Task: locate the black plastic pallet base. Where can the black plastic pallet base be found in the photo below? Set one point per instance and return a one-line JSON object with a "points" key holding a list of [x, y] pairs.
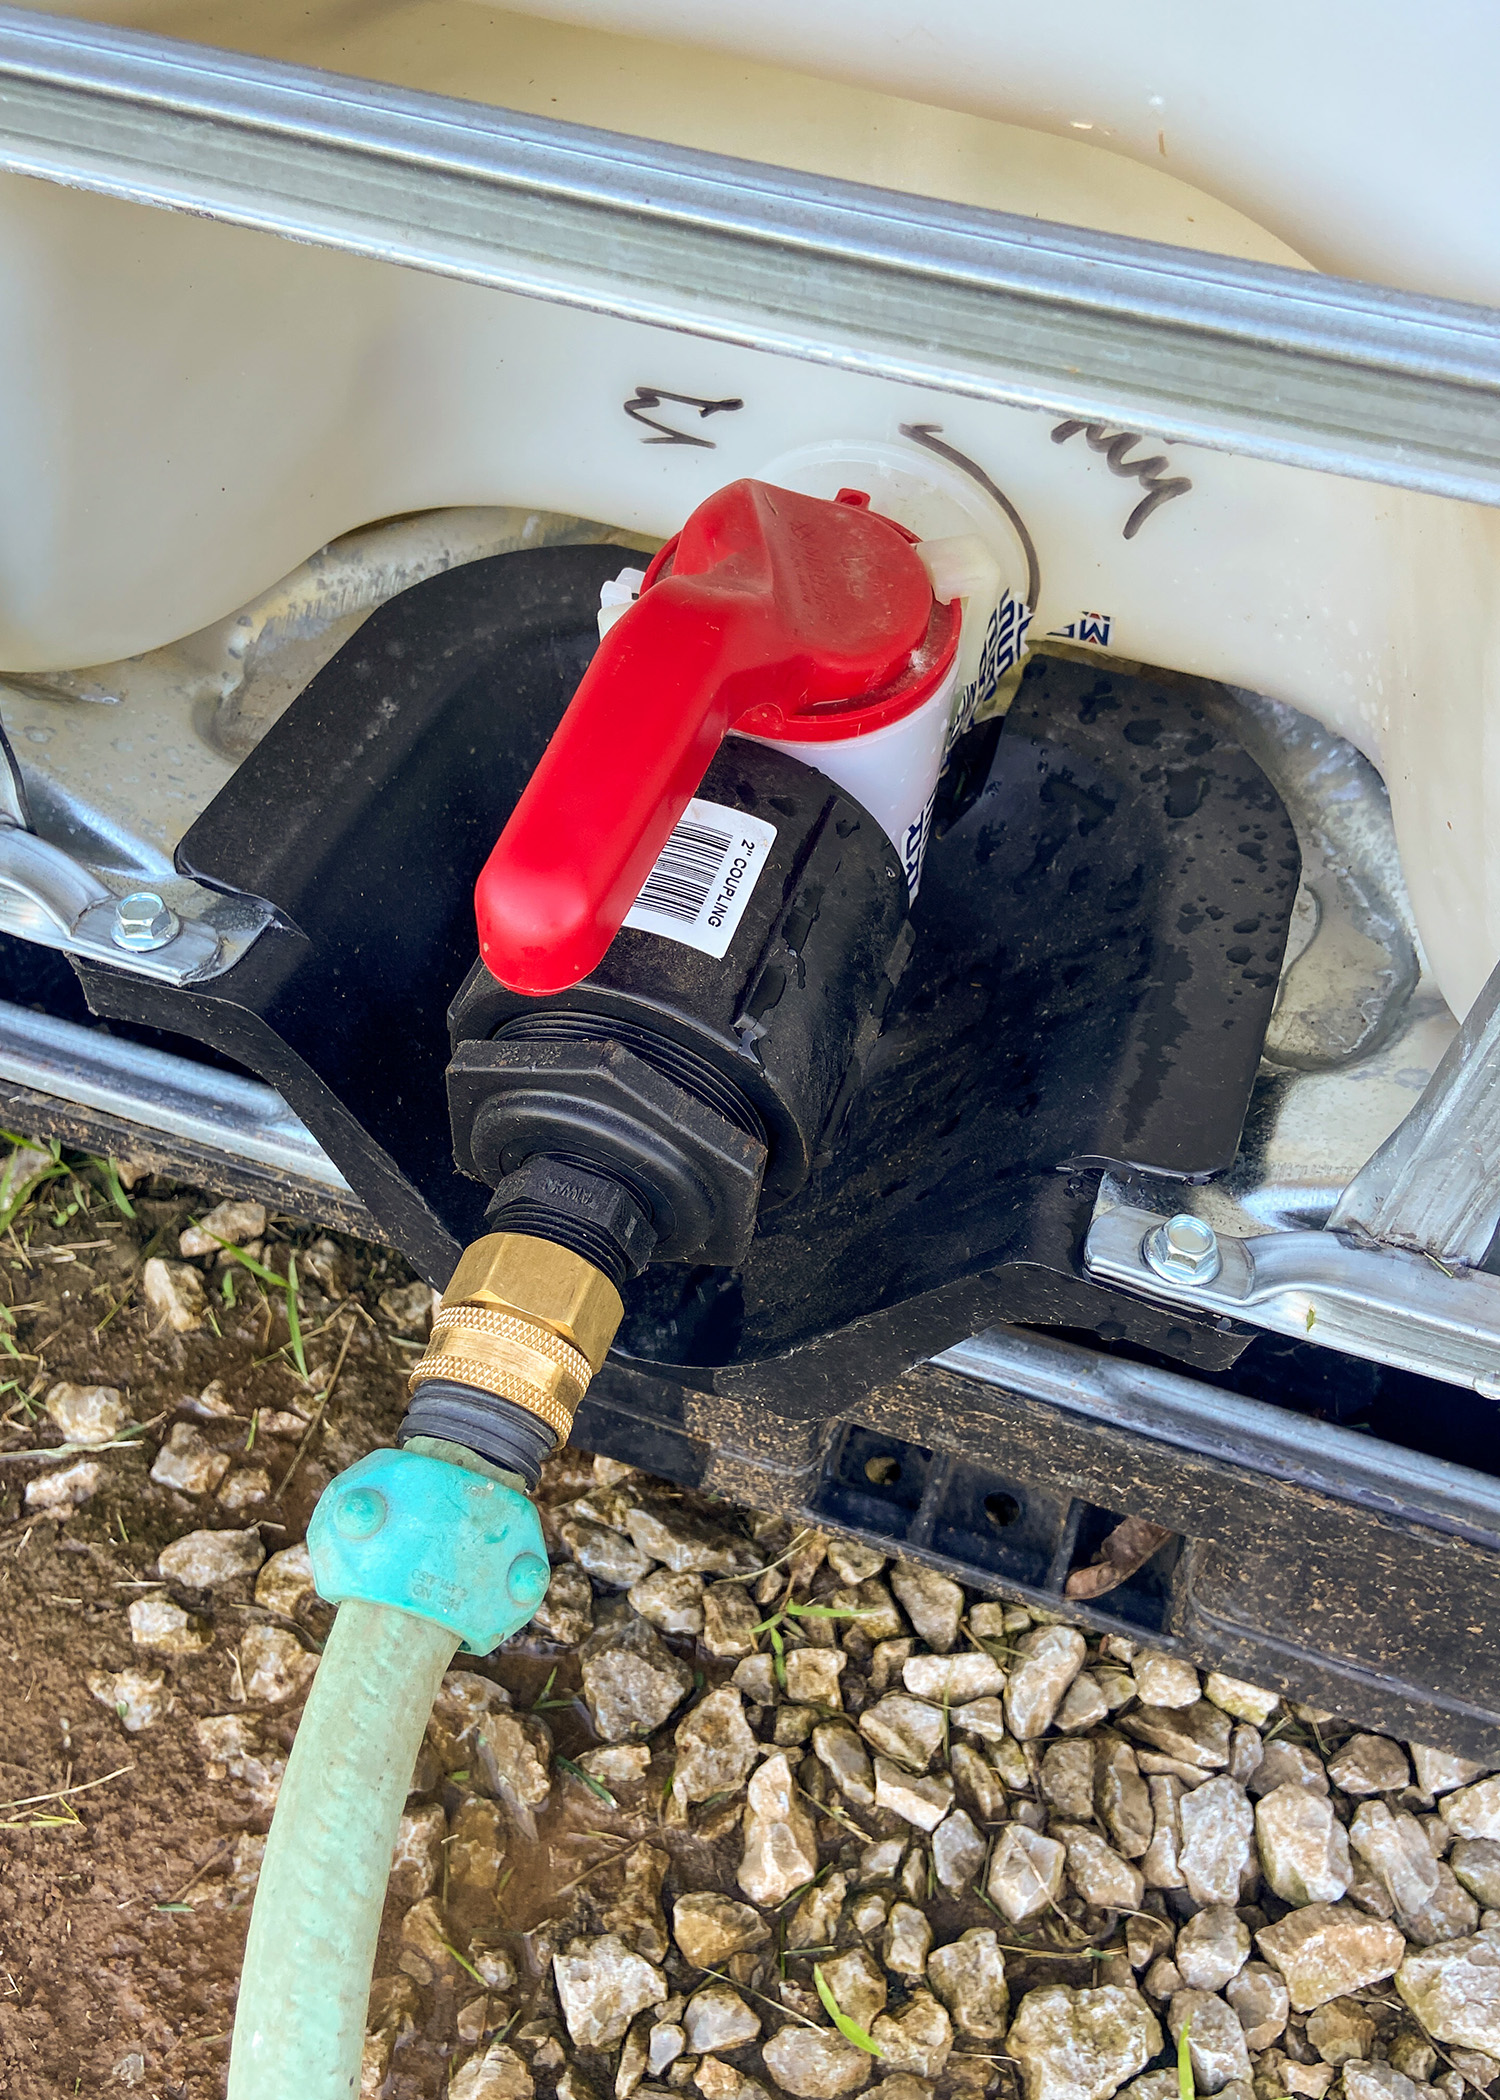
{"points": [[1100, 932], [1099, 935], [1344, 1572]]}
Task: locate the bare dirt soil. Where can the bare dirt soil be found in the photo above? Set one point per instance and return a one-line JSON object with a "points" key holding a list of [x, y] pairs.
{"points": [[99, 1961], [168, 1419]]}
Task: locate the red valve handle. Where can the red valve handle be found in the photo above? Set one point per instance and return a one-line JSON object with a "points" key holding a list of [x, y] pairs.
{"points": [[776, 602]]}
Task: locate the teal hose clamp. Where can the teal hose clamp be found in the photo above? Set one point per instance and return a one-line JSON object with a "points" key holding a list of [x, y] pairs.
{"points": [[434, 1540]]}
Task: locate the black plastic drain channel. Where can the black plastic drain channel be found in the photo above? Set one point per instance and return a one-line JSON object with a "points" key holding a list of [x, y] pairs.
{"points": [[1323, 1562], [936, 1502]]}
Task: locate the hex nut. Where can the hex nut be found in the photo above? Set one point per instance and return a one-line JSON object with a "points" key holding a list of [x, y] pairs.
{"points": [[143, 921], [1184, 1250], [535, 1280]]}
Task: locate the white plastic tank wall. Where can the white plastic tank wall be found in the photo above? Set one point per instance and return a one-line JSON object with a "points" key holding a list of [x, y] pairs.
{"points": [[189, 410]]}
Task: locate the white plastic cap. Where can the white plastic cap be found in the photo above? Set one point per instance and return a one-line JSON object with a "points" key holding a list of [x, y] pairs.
{"points": [[617, 596], [961, 567]]}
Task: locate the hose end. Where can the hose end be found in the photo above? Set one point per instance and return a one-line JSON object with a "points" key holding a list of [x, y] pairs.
{"points": [[453, 1544]]}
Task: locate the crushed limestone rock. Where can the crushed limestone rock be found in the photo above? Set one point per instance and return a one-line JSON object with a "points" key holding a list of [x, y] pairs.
{"points": [[716, 1747], [188, 1462], [815, 2063], [710, 1928], [139, 1698], [631, 1680], [174, 1297], [1026, 1873], [88, 1414], [1304, 1851], [969, 1977], [1082, 2044], [781, 1846], [1050, 1659], [66, 1488], [1329, 1950], [933, 1603], [1454, 1990], [1217, 1853], [601, 1985]]}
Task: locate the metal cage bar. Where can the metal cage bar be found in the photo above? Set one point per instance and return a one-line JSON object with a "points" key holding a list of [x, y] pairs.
{"points": [[1279, 364]]}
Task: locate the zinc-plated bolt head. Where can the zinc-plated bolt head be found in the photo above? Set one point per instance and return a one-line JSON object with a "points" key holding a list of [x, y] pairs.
{"points": [[1184, 1250], [144, 921]]}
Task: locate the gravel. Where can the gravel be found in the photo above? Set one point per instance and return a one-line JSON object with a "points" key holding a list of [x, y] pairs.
{"points": [[88, 1414], [601, 1985], [1261, 2002], [188, 1462], [907, 1729], [140, 1698], [514, 1754], [631, 1680], [1217, 1852], [969, 1976], [164, 1628], [174, 1295], [716, 1747], [1212, 1948], [1026, 1873], [933, 1604], [1474, 1812], [1304, 1851], [274, 1665], [906, 1943], [1370, 1764], [211, 1560], [1082, 2044], [1327, 1950], [1454, 1990], [1051, 1659], [1429, 1903], [958, 1852], [815, 2063], [781, 1844], [1027, 1858], [65, 1489]]}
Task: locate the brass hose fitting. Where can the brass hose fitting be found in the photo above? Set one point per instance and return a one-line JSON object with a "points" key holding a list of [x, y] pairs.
{"points": [[525, 1320]]}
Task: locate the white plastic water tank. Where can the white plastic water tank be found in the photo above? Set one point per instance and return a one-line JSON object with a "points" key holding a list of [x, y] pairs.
{"points": [[188, 410]]}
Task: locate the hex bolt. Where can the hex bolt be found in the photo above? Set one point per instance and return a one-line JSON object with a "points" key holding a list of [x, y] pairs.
{"points": [[144, 921], [1184, 1250]]}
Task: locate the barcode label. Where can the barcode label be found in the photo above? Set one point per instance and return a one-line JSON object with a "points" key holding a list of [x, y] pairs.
{"points": [[703, 877]]}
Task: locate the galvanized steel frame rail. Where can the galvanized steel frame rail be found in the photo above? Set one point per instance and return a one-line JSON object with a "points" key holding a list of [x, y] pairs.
{"points": [[1279, 364], [1434, 1185]]}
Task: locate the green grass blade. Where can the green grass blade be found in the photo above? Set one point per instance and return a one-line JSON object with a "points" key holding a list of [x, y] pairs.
{"points": [[1185, 2086], [248, 1261], [826, 1611], [595, 1786], [115, 1189], [467, 1966], [14, 1200], [849, 2029], [294, 1316]]}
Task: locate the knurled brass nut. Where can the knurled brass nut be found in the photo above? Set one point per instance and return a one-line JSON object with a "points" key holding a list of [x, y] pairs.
{"points": [[511, 1272]]}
